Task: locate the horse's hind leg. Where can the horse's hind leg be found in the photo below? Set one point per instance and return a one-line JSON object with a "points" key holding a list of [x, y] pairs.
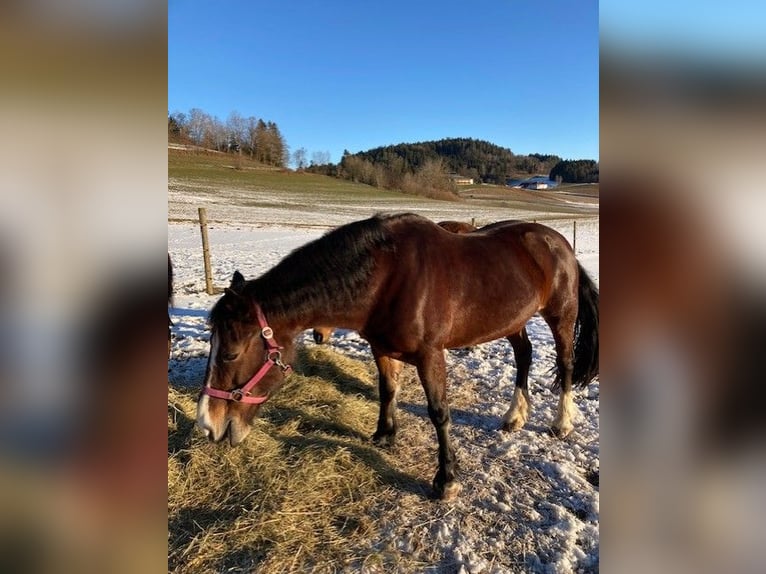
{"points": [[562, 327], [388, 387], [518, 413]]}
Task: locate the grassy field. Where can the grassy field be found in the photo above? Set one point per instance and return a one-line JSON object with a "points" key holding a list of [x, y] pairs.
{"points": [[225, 183], [222, 171]]}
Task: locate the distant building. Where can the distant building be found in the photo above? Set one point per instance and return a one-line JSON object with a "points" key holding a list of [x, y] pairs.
{"points": [[533, 185], [536, 182], [461, 180]]}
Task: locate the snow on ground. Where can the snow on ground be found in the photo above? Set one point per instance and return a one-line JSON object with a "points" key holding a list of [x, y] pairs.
{"points": [[524, 492]]}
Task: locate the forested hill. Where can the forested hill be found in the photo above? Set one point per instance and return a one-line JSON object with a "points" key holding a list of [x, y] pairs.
{"points": [[481, 160]]}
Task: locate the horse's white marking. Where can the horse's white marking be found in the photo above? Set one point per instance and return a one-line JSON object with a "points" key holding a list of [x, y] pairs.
{"points": [[518, 413], [567, 411], [203, 405]]}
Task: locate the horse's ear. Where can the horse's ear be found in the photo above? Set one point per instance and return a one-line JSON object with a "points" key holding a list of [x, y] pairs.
{"points": [[237, 281]]}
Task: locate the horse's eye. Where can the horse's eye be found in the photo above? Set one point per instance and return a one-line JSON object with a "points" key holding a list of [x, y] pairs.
{"points": [[229, 356]]}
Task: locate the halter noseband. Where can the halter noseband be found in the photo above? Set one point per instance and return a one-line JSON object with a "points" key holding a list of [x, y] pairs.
{"points": [[273, 357]]}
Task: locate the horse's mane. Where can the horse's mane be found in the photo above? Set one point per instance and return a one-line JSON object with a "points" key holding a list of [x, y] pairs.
{"points": [[327, 273]]}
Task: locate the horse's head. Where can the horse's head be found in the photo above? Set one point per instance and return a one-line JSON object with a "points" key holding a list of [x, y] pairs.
{"points": [[244, 368]]}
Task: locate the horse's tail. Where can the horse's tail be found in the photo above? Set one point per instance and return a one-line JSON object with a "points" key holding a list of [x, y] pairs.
{"points": [[586, 332]]}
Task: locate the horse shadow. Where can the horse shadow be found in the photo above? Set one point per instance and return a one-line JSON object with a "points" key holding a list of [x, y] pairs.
{"points": [[326, 434], [308, 423], [346, 382], [369, 455], [180, 438], [472, 419], [460, 417]]}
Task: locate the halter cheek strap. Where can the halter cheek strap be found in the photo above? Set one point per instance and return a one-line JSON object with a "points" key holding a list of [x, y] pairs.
{"points": [[273, 357]]}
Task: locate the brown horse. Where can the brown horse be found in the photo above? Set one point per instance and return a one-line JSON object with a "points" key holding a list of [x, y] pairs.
{"points": [[323, 333], [411, 289], [516, 416], [457, 226]]}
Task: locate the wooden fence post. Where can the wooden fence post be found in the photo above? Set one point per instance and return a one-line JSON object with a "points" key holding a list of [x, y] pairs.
{"points": [[574, 236], [205, 250]]}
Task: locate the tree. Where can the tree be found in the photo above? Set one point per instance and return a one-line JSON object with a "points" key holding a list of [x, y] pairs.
{"points": [[215, 134], [174, 129], [236, 129], [279, 155], [251, 124], [320, 158], [299, 158], [431, 179], [198, 123], [261, 138], [575, 171], [270, 146]]}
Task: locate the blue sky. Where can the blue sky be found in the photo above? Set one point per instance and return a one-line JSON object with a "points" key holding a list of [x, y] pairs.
{"points": [[355, 75]]}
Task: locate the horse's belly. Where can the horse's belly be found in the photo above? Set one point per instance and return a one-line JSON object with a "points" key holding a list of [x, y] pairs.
{"points": [[475, 328]]}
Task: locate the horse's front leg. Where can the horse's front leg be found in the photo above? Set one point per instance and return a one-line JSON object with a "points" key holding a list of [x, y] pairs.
{"points": [[433, 375], [388, 387]]}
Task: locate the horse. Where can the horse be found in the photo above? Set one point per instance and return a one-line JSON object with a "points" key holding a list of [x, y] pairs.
{"points": [[412, 290], [457, 226], [323, 333], [517, 416]]}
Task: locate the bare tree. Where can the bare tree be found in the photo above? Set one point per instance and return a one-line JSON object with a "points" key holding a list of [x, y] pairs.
{"points": [[198, 122], [236, 128], [320, 157], [299, 158], [215, 134]]}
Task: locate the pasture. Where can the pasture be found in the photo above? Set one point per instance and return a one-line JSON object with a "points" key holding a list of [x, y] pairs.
{"points": [[270, 196], [307, 491]]}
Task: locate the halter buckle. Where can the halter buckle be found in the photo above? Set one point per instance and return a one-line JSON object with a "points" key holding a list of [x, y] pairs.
{"points": [[276, 358], [267, 333], [236, 395]]}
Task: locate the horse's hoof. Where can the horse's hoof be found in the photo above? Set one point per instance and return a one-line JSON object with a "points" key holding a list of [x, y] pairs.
{"points": [[514, 425], [449, 491], [384, 440], [561, 432]]}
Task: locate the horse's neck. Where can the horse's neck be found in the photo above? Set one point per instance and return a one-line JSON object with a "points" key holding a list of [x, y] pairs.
{"points": [[296, 308]]}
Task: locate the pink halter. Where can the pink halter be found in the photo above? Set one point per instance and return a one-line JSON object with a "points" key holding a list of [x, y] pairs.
{"points": [[273, 357]]}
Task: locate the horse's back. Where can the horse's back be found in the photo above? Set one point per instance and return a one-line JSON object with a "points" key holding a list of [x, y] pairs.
{"points": [[501, 249], [459, 290], [547, 253]]}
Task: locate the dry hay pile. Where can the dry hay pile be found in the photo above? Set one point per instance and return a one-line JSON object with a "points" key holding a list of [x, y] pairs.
{"points": [[306, 491]]}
